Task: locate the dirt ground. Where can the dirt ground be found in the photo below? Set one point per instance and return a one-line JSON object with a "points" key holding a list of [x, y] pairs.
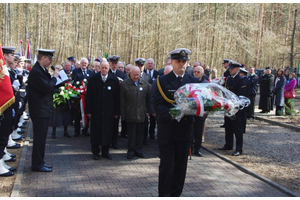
{"points": [[269, 150]]}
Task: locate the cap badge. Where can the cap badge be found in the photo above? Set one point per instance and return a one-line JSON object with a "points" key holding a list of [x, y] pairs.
{"points": [[182, 53]]}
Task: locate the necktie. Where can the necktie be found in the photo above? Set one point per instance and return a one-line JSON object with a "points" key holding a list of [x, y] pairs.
{"points": [[179, 79], [104, 79], [136, 83], [84, 73]]}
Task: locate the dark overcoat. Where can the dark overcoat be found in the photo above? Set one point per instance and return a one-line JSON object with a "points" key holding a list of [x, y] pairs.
{"points": [[119, 74], [266, 87], [103, 103], [77, 74], [40, 92], [278, 91]]}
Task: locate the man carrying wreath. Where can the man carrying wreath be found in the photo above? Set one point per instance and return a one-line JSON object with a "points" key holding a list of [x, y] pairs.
{"points": [[174, 138]]}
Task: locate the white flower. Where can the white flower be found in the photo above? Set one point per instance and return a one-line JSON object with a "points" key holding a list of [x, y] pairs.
{"points": [[81, 87], [77, 82], [61, 93], [62, 88], [84, 80], [70, 92]]}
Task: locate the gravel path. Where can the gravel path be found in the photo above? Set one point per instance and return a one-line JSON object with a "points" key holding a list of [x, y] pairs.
{"points": [[269, 150]]}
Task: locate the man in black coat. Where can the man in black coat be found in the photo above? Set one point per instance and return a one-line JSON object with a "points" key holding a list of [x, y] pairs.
{"points": [[174, 138], [234, 125], [253, 80], [102, 106], [266, 84], [78, 75], [40, 101], [225, 75], [113, 63]]}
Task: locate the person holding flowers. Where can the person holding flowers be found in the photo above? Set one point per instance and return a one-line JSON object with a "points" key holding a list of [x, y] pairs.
{"points": [[174, 138]]}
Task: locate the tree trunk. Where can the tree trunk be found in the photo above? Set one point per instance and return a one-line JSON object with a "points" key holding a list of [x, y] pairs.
{"points": [[292, 41], [139, 34], [91, 31], [49, 28], [259, 34]]}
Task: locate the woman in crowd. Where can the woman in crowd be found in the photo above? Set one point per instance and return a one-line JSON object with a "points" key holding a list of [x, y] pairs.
{"points": [[61, 116], [279, 84], [290, 86]]}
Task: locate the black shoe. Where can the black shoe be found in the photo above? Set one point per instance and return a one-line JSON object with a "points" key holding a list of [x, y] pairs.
{"points": [[84, 132], [76, 134], [198, 153], [224, 148], [16, 146], [115, 146], [12, 155], [222, 126], [107, 156], [12, 159], [236, 153], [262, 111], [67, 135], [18, 139], [48, 166], [21, 131], [140, 155], [9, 173], [124, 136], [42, 169], [95, 157], [129, 156], [12, 169]]}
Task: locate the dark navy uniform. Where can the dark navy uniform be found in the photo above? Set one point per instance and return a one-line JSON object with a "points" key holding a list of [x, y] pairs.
{"points": [[253, 85], [174, 138], [40, 102], [235, 124]]}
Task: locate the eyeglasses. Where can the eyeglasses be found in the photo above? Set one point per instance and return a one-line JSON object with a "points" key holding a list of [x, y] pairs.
{"points": [[197, 72]]}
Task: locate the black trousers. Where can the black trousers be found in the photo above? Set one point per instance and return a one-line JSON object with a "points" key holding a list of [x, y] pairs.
{"points": [[230, 129], [135, 137], [172, 167], [96, 150], [40, 130], [115, 131], [198, 132], [146, 124], [250, 113], [5, 130], [152, 126], [124, 128]]}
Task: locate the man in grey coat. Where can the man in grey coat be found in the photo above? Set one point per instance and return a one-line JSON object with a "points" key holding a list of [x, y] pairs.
{"points": [[134, 108]]}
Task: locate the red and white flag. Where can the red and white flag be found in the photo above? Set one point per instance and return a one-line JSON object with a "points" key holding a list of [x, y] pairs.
{"points": [[6, 92], [21, 48]]}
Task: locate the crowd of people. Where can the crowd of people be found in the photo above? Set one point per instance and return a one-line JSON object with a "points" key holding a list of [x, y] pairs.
{"points": [[135, 95]]}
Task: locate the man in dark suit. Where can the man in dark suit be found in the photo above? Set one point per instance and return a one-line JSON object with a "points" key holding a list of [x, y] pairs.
{"points": [[40, 101], [174, 138], [78, 75], [113, 63], [102, 107], [234, 125], [153, 74]]}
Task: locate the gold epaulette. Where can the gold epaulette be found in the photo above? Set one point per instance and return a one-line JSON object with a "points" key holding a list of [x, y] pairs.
{"points": [[162, 93]]}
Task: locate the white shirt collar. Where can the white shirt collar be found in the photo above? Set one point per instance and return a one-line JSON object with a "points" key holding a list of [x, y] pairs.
{"points": [[104, 76], [178, 75], [235, 75]]}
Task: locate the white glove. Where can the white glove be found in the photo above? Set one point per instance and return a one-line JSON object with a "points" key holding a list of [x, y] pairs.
{"points": [[16, 85], [20, 104]]}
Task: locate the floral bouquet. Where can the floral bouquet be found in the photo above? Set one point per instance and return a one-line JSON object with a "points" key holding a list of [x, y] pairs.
{"points": [[63, 95], [219, 81], [203, 98]]}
